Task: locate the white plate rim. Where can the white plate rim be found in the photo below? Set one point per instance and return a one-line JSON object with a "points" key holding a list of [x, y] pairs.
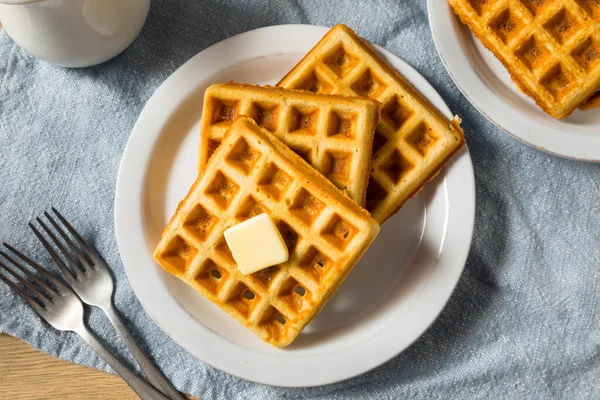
{"points": [[129, 220], [442, 22]]}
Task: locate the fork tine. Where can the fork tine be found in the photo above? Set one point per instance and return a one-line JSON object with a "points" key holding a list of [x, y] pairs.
{"points": [[46, 291], [41, 298], [61, 264], [48, 276], [34, 304], [74, 232], [78, 253], [72, 262]]}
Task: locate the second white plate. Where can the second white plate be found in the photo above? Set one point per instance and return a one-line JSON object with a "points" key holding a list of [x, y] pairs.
{"points": [[488, 86], [388, 300]]}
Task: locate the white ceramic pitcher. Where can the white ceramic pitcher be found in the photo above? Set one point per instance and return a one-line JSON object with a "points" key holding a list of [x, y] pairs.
{"points": [[73, 33]]}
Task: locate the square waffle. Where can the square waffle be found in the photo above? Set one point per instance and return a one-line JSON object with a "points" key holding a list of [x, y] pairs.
{"points": [[326, 233], [551, 48], [334, 134], [412, 141]]}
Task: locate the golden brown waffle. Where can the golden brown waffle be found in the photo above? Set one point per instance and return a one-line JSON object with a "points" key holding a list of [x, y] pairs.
{"points": [[591, 103], [250, 173], [551, 48], [412, 141], [332, 133]]}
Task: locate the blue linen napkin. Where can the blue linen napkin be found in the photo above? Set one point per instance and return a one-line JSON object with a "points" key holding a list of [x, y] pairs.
{"points": [[523, 321]]}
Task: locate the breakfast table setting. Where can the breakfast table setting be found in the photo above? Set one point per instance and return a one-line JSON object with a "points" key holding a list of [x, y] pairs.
{"points": [[299, 199]]}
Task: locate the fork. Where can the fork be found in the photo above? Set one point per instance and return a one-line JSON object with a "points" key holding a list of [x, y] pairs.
{"points": [[89, 277], [56, 303]]}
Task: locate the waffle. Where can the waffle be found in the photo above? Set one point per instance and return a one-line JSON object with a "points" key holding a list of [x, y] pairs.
{"points": [[412, 140], [592, 102], [332, 133], [551, 48], [326, 233]]}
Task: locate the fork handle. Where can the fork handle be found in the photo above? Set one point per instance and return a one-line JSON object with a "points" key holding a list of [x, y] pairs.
{"points": [[153, 374], [141, 388]]}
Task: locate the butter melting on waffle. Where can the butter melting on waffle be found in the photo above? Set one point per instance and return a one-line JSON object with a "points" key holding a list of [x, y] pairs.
{"points": [[326, 233]]}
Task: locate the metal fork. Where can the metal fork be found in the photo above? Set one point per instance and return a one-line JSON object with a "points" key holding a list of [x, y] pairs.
{"points": [[89, 277], [56, 303]]}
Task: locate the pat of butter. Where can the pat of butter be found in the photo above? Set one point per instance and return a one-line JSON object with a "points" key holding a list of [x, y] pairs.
{"points": [[256, 244]]}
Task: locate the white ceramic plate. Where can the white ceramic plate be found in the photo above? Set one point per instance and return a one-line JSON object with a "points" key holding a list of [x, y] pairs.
{"points": [[390, 298], [487, 85]]}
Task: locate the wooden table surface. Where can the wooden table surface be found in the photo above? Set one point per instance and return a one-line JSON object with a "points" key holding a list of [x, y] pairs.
{"points": [[27, 374]]}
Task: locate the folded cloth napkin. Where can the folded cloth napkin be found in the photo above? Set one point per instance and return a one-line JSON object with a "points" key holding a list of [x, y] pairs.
{"points": [[523, 321]]}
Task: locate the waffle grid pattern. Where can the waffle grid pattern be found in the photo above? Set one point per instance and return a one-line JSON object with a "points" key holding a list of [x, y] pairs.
{"points": [[550, 47], [332, 133], [325, 236], [412, 140]]}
